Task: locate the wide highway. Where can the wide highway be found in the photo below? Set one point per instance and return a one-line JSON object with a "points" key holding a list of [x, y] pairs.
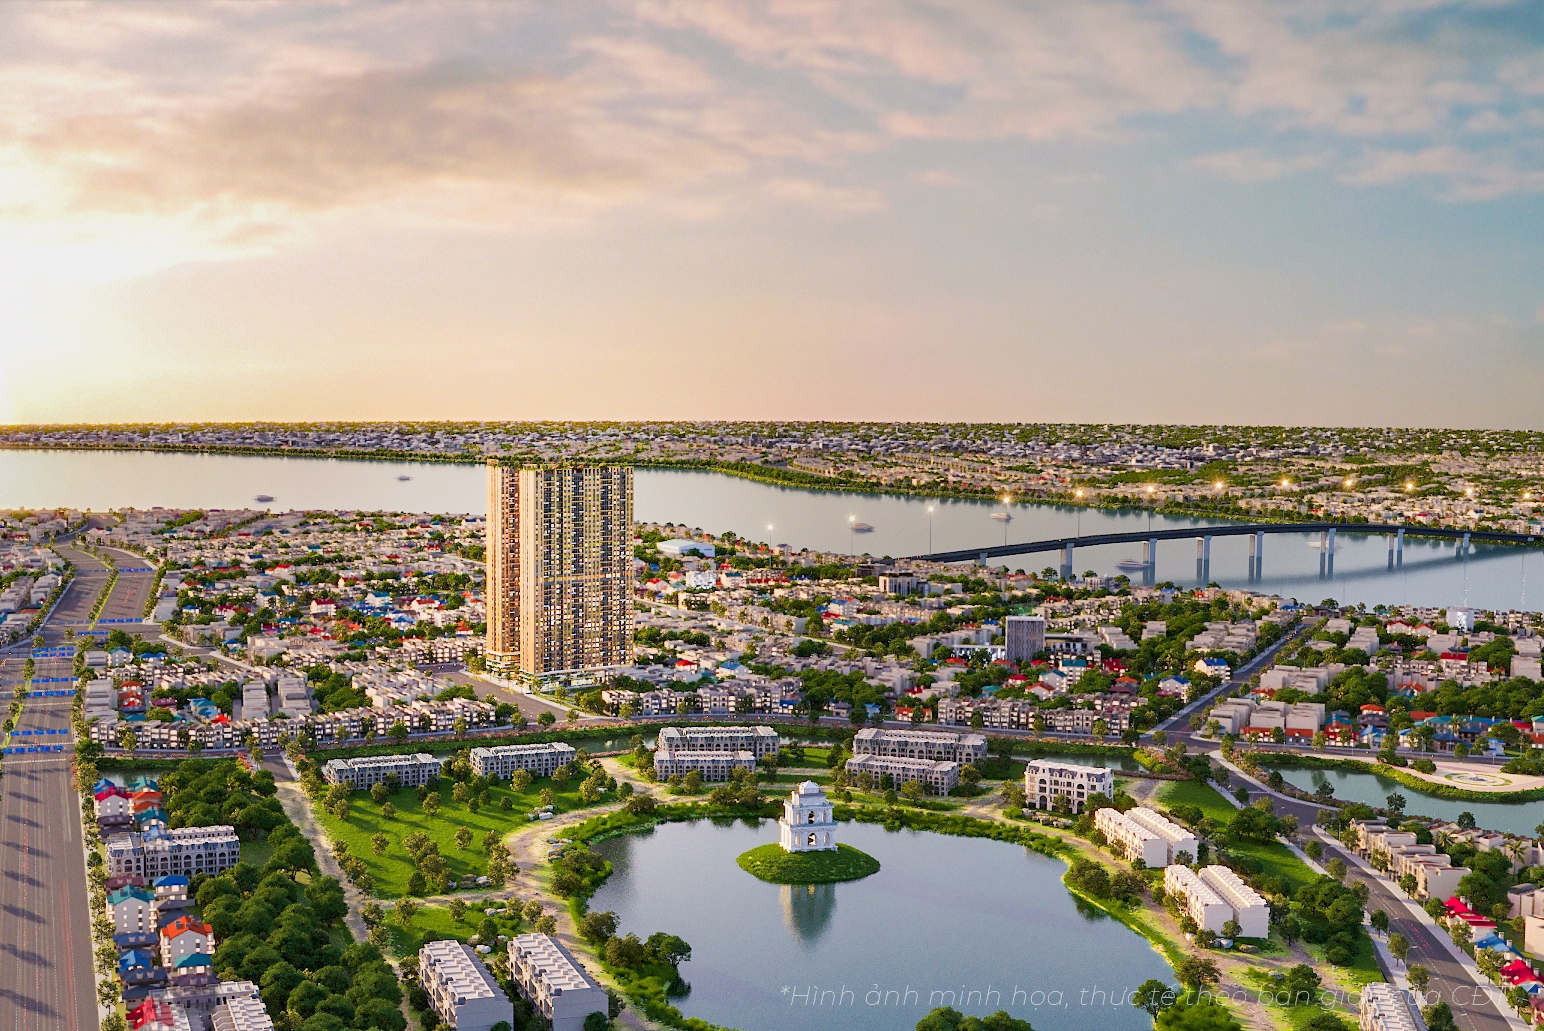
{"points": [[46, 981]]}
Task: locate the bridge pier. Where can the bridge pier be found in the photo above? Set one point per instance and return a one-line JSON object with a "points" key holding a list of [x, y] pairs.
{"points": [[1066, 562], [1463, 549], [1150, 552]]}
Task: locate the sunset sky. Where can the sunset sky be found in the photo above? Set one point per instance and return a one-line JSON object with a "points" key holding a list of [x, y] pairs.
{"points": [[1264, 211]]}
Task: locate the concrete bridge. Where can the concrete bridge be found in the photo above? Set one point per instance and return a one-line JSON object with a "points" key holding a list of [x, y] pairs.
{"points": [[1256, 532]]}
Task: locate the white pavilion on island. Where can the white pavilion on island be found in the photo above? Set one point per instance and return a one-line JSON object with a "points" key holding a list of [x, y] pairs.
{"points": [[808, 823]]}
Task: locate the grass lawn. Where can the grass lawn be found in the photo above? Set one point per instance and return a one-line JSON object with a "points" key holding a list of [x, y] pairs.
{"points": [[1276, 858], [434, 923], [256, 852], [771, 863], [392, 870]]}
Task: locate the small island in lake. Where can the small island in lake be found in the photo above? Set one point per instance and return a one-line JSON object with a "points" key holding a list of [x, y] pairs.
{"points": [[807, 852]]}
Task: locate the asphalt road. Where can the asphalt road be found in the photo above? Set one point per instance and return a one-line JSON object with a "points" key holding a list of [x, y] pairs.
{"points": [[1472, 1009], [46, 977]]}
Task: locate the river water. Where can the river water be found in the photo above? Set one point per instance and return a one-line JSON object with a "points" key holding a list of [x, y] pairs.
{"points": [[1431, 574], [943, 918], [1372, 789]]}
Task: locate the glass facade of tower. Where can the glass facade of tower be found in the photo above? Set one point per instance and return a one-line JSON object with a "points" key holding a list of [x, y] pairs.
{"points": [[559, 566]]}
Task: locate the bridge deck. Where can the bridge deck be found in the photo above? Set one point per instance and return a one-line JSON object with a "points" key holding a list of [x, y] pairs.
{"points": [[1226, 530]]}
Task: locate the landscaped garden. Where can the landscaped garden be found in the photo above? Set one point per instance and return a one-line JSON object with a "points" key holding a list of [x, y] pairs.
{"points": [[418, 841]]}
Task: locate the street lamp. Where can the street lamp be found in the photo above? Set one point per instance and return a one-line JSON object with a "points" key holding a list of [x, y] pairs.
{"points": [[1150, 491], [1009, 515], [852, 536], [930, 529], [1080, 512]]}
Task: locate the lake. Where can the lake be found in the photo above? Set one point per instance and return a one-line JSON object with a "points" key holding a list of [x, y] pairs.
{"points": [[1373, 789], [1432, 573], [943, 915]]}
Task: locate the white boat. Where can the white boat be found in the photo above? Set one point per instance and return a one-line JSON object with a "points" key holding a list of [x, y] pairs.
{"points": [[1131, 563], [404, 478], [264, 498], [861, 528], [1003, 517], [1317, 546]]}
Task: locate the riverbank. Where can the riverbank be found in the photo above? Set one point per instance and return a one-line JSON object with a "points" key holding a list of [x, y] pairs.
{"points": [[1411, 779]]}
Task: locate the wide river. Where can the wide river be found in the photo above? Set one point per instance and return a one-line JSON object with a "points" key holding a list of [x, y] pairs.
{"points": [[944, 918], [1432, 573]]}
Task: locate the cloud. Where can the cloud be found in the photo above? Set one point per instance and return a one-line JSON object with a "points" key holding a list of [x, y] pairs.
{"points": [[1464, 175], [1253, 166]]}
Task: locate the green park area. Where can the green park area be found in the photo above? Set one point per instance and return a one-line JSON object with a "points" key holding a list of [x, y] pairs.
{"points": [[772, 863], [391, 834], [1276, 859]]}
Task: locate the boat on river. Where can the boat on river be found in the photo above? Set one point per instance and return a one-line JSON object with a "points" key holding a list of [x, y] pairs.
{"points": [[862, 528], [1131, 563], [1003, 517], [404, 479], [264, 498]]}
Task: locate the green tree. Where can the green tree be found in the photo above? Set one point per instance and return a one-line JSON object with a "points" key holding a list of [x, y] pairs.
{"points": [[1195, 972], [1206, 1015], [1153, 996], [1399, 946], [379, 843]]}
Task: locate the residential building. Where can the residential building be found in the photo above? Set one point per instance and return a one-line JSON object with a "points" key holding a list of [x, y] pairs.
{"points": [[1201, 902], [559, 570], [1251, 912], [941, 777], [185, 936], [1386, 1008], [542, 760], [186, 850], [759, 741], [129, 910], [1176, 838], [365, 772], [1130, 839], [1045, 780], [549, 976], [461, 989], [807, 823], [710, 766], [939, 746], [1024, 637]]}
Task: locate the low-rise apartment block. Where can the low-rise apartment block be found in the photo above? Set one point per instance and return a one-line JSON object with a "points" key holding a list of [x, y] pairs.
{"points": [[542, 760], [1140, 833], [186, 850], [1386, 1008], [1201, 903], [549, 976], [410, 770], [461, 989], [1251, 912], [941, 777], [710, 766], [1046, 780], [939, 746], [759, 741]]}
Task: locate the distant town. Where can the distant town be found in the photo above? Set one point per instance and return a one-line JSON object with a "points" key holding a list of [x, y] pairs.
{"points": [[1477, 479], [357, 769]]}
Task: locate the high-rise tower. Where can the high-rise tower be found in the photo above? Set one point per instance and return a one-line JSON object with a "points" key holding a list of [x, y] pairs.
{"points": [[559, 570]]}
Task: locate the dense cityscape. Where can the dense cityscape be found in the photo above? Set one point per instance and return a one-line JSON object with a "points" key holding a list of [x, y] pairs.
{"points": [[310, 742], [772, 515]]}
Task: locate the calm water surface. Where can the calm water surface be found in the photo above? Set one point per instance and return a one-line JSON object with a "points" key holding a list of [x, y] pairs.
{"points": [[1432, 574], [942, 915], [1517, 817]]}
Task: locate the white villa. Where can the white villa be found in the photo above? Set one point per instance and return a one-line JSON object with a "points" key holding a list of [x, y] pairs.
{"points": [[807, 823]]}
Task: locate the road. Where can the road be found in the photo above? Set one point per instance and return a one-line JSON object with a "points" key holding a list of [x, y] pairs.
{"points": [[47, 982], [1448, 978]]}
